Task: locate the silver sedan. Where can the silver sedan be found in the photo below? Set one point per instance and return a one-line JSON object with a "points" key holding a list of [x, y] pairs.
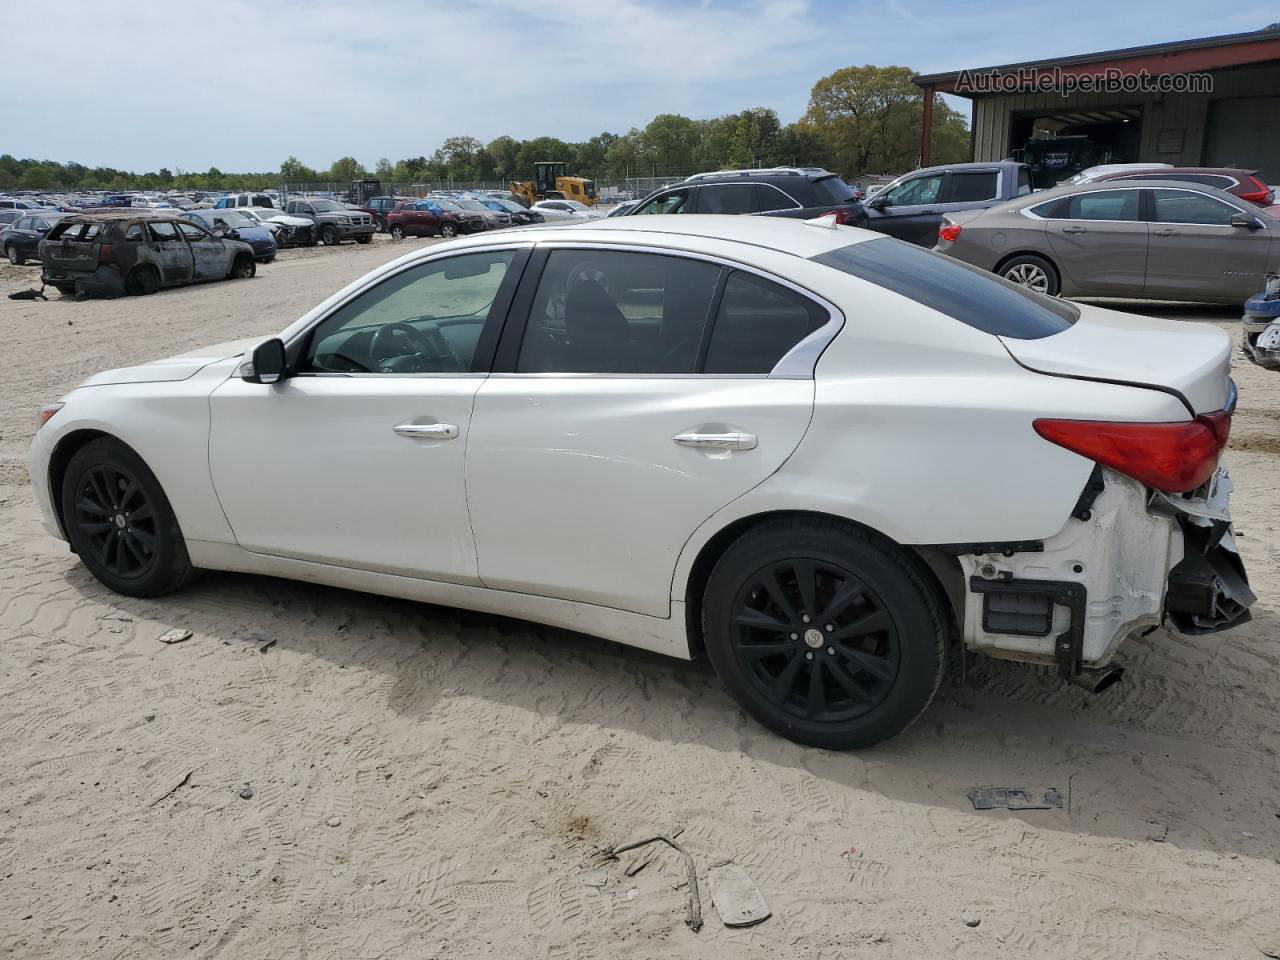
{"points": [[1159, 240]]}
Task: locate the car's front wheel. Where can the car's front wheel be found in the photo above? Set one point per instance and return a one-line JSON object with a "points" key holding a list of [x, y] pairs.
{"points": [[119, 521], [825, 632], [243, 268], [329, 236], [1035, 273]]}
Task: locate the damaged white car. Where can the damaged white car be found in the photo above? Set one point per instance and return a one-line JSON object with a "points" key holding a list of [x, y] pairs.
{"points": [[1260, 341], [825, 458]]}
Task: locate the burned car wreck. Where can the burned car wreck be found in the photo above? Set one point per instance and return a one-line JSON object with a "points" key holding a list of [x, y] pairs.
{"points": [[131, 252]]}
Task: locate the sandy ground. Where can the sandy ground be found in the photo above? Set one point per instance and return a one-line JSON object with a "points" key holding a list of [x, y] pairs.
{"points": [[431, 783]]}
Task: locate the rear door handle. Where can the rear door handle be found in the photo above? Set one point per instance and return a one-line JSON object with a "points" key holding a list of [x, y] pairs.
{"points": [[427, 431], [1075, 229], [1165, 232], [717, 441]]}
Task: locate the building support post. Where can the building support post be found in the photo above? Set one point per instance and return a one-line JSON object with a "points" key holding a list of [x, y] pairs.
{"points": [[926, 126]]}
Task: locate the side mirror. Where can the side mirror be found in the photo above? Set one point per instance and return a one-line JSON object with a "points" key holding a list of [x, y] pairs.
{"points": [[1246, 221], [266, 364], [878, 203]]}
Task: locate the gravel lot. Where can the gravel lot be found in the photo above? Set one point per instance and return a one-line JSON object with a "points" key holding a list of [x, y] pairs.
{"points": [[432, 783]]}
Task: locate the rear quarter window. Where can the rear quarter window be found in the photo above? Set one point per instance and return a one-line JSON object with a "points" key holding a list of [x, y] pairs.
{"points": [[832, 190], [965, 293]]}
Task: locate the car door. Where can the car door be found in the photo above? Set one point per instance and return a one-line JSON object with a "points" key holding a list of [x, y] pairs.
{"points": [[23, 236], [172, 255], [1099, 241], [357, 459], [209, 253], [631, 399], [1196, 251], [909, 210]]}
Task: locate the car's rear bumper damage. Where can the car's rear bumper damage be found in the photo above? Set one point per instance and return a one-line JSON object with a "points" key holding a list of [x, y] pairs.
{"points": [[1129, 560], [104, 281]]}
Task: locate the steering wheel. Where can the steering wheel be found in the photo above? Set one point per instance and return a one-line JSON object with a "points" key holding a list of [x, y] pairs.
{"points": [[428, 350]]}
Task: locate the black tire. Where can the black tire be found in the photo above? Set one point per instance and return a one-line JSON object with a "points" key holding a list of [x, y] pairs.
{"points": [[875, 640], [397, 232], [133, 545], [365, 238], [142, 281], [16, 258], [329, 236], [66, 291], [243, 268], [1035, 273], [448, 231]]}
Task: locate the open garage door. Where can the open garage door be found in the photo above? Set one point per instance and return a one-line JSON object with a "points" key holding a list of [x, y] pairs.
{"points": [[1241, 133]]}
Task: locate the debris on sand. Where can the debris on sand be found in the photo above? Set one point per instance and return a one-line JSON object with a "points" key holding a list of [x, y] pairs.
{"points": [[176, 635]]}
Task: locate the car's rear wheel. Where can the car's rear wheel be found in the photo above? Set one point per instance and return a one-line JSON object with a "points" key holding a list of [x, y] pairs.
{"points": [[1035, 273], [397, 232], [329, 236], [824, 632], [119, 521], [243, 268], [66, 291], [16, 258], [448, 231], [143, 281]]}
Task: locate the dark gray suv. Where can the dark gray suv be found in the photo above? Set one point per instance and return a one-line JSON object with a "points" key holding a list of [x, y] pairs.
{"points": [[799, 192]]}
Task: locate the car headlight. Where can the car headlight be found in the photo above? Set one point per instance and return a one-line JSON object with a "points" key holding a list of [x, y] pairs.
{"points": [[344, 219]]}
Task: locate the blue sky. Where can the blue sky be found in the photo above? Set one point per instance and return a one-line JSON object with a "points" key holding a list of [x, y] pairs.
{"points": [[241, 84]]}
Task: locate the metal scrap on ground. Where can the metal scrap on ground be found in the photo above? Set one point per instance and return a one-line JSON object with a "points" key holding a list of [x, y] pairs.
{"points": [[694, 919], [1014, 798], [738, 900]]}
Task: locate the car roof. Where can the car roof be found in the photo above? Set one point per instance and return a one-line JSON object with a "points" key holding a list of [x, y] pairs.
{"points": [[1166, 172], [782, 234]]}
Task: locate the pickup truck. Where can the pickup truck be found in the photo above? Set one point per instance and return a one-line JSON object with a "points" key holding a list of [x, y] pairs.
{"points": [[333, 222], [911, 208]]}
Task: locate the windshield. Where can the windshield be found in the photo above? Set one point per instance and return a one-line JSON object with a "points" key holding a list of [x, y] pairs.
{"points": [[508, 205], [328, 206], [974, 297], [576, 205]]}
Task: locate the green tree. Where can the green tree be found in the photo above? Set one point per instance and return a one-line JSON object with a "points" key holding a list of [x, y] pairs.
{"points": [[346, 169], [37, 177], [506, 153], [870, 118], [666, 146], [384, 169], [539, 150]]}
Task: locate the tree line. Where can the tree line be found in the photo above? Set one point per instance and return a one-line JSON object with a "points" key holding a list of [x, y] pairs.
{"points": [[859, 120]]}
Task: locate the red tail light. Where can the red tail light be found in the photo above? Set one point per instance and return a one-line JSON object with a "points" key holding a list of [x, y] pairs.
{"points": [[1172, 457], [950, 232], [1261, 196], [842, 216], [106, 254]]}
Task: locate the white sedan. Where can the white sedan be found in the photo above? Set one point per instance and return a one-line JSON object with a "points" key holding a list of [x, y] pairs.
{"points": [[825, 458], [566, 211]]}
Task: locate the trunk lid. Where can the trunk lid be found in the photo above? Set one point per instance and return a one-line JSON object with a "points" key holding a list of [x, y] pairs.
{"points": [[1189, 358]]}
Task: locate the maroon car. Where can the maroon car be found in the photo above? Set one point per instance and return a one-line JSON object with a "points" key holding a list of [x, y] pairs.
{"points": [[432, 218], [1242, 183]]}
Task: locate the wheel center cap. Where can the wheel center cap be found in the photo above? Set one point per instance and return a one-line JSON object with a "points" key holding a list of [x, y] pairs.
{"points": [[814, 638], [120, 520]]}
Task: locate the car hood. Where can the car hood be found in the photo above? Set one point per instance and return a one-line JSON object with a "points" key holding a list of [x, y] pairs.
{"points": [[289, 220], [173, 368], [1108, 345]]}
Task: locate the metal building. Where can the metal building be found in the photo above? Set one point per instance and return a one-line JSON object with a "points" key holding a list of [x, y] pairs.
{"points": [[1218, 104]]}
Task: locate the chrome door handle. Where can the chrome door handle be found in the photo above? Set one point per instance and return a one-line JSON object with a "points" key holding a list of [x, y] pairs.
{"points": [[427, 431], [1165, 232], [1075, 229], [717, 441]]}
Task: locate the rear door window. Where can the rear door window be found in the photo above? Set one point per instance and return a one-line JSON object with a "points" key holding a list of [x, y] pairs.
{"points": [[974, 297], [973, 186], [735, 198], [615, 312], [757, 323], [1116, 205], [770, 198]]}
